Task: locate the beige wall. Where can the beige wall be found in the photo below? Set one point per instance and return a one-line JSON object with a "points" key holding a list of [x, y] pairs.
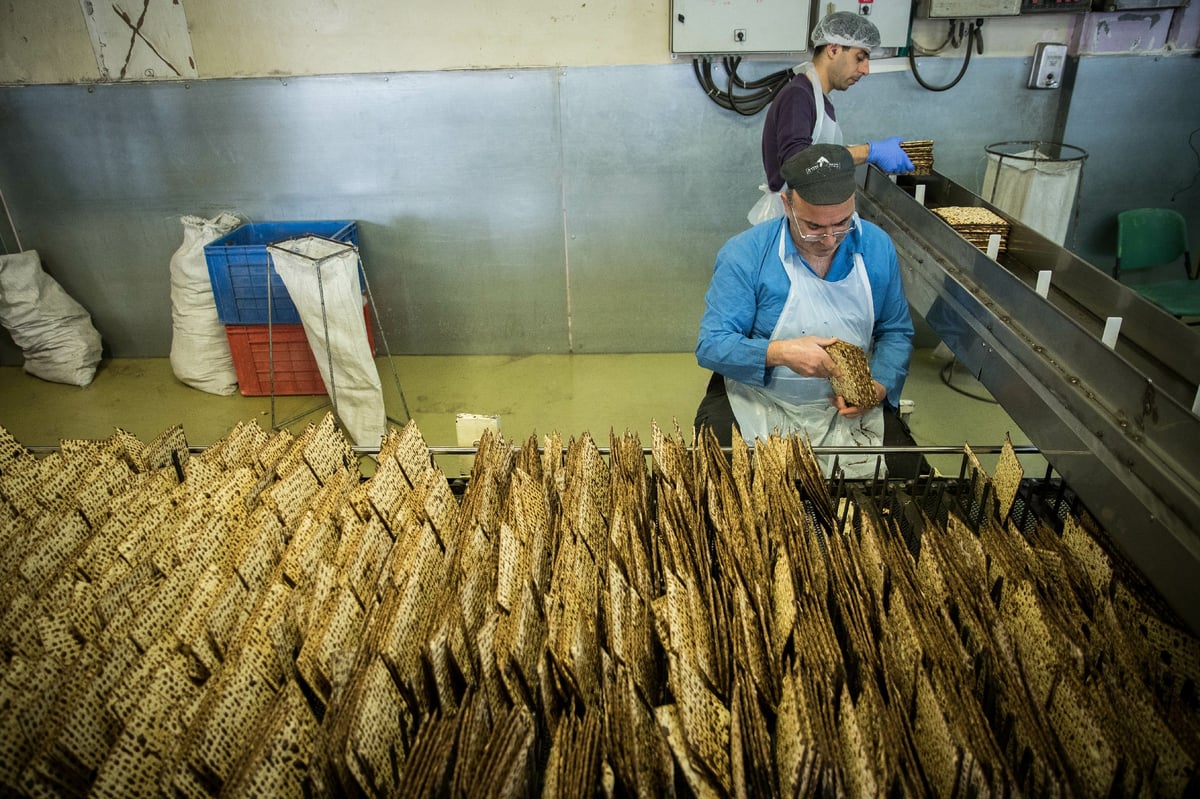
{"points": [[45, 43], [48, 41], [238, 38]]}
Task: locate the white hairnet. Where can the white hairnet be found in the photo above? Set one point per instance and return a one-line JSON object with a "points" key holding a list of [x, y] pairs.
{"points": [[847, 29]]}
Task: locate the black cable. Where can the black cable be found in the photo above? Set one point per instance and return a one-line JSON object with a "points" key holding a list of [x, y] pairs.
{"points": [[955, 39], [751, 104], [767, 81], [704, 78], [945, 374], [759, 92], [703, 70], [746, 106], [974, 36]]}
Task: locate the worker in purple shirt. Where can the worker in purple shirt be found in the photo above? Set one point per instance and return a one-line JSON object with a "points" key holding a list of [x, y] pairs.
{"points": [[802, 114]]}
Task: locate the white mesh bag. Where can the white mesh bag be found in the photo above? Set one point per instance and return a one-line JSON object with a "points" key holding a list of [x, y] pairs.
{"points": [[321, 277]]}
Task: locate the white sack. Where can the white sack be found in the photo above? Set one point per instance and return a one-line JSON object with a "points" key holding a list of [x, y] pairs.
{"points": [[200, 355], [1035, 189], [53, 331], [312, 269]]}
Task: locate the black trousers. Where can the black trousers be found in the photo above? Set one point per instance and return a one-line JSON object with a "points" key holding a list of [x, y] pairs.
{"points": [[715, 412]]}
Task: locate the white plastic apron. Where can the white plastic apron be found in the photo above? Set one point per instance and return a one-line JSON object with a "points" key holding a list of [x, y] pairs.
{"points": [[790, 402], [825, 131]]}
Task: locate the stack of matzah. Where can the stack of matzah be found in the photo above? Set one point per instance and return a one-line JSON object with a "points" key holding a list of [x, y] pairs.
{"points": [[920, 152], [975, 224], [853, 381]]}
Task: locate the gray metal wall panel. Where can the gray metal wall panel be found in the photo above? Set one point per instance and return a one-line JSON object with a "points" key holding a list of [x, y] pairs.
{"points": [[658, 178], [460, 182], [454, 178]]}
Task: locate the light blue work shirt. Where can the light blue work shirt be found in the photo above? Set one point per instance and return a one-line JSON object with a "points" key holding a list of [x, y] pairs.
{"points": [[749, 288]]}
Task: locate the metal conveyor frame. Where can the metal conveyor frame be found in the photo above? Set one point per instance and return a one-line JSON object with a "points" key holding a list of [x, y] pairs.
{"points": [[1127, 446]]}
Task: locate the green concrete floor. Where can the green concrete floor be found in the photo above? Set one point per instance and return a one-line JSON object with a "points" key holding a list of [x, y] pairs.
{"points": [[532, 395]]}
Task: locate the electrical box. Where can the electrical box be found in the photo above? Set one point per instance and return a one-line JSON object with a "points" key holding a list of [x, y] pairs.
{"points": [[1035, 6], [890, 16], [1049, 59], [739, 27], [1122, 5], [967, 9]]}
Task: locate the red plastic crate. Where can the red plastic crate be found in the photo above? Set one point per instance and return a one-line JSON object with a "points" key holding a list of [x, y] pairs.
{"points": [[255, 346]]}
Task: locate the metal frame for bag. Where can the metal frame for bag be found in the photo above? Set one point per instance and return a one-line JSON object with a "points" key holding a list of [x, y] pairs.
{"points": [[376, 320], [1041, 150]]}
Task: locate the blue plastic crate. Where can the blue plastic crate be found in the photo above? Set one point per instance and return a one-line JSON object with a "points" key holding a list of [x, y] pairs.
{"points": [[238, 265]]}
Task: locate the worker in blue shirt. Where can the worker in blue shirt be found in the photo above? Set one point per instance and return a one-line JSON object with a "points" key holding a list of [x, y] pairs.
{"points": [[784, 290]]}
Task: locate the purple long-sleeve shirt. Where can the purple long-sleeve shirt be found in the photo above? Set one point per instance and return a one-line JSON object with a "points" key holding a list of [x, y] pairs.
{"points": [[789, 126]]}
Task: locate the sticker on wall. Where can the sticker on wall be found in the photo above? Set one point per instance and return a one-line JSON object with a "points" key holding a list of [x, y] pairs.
{"points": [[140, 39]]}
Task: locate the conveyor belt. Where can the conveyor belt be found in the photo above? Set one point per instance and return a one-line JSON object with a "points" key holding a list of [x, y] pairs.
{"points": [[1116, 423]]}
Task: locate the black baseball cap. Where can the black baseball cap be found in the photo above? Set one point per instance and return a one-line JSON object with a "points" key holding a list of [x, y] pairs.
{"points": [[822, 174]]}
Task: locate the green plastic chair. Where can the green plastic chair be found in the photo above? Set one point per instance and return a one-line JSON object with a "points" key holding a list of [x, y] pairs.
{"points": [[1150, 237]]}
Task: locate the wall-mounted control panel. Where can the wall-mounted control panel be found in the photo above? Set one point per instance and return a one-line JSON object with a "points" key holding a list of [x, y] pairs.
{"points": [[967, 9], [738, 27], [1049, 60], [1035, 6]]}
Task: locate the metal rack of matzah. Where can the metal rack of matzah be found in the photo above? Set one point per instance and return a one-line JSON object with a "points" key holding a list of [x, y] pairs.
{"points": [[262, 619]]}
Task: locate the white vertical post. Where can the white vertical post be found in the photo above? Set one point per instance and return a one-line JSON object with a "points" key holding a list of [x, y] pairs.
{"points": [[1112, 329], [1043, 283], [919, 193], [993, 248]]}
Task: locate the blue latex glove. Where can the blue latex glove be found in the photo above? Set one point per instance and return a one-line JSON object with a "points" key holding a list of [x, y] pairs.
{"points": [[888, 156]]}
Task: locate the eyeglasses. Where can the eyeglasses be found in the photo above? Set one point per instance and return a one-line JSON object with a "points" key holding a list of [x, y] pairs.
{"points": [[836, 235], [814, 238]]}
